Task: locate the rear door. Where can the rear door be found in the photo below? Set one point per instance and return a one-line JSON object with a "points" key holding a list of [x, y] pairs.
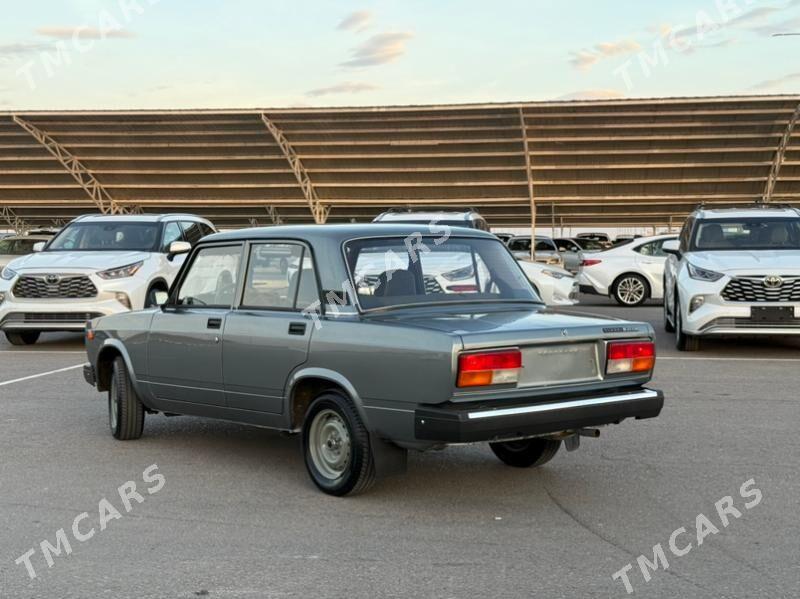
{"points": [[184, 344], [650, 259], [268, 336]]}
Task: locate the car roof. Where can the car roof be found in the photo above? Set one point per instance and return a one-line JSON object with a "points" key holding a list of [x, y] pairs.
{"points": [[466, 215], [342, 232], [137, 218], [756, 210]]}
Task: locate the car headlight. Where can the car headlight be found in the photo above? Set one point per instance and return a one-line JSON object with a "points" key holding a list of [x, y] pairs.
{"points": [[555, 274], [121, 272], [7, 274], [701, 274], [459, 274]]}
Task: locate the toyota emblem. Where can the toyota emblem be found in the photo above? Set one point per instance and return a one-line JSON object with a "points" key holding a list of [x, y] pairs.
{"points": [[773, 282], [52, 279]]}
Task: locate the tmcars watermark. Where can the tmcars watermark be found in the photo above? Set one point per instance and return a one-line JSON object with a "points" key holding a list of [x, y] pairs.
{"points": [[83, 38], [81, 530], [685, 38], [414, 248], [703, 527]]}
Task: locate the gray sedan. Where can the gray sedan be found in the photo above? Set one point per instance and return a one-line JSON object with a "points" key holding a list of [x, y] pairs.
{"points": [[377, 340]]}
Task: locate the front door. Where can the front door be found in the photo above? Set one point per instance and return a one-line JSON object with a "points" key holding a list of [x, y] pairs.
{"points": [[267, 337], [185, 342]]}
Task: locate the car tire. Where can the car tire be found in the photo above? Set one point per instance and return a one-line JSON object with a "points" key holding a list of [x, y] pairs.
{"points": [[683, 341], [631, 290], [22, 337], [125, 410], [526, 453], [336, 446], [669, 326]]}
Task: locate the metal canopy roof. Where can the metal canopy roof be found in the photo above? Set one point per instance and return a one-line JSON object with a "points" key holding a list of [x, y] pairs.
{"points": [[627, 162]]}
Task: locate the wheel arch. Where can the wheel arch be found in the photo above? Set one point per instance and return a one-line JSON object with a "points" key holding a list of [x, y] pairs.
{"points": [[104, 364], [307, 384]]}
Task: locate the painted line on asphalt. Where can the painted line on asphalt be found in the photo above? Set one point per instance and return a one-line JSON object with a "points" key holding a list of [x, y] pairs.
{"points": [[41, 374], [679, 359], [46, 351]]}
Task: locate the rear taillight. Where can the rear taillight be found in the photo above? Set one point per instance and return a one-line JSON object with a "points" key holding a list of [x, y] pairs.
{"points": [[630, 356], [489, 368], [590, 262]]}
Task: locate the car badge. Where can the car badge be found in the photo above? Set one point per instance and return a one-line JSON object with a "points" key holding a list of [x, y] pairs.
{"points": [[52, 279], [564, 332], [773, 282]]}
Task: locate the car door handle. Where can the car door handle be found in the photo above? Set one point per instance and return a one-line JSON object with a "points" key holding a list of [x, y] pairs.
{"points": [[297, 328], [214, 323]]}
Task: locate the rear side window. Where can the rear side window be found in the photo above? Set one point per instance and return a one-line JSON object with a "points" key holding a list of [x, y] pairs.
{"points": [[192, 231], [211, 278], [651, 249], [545, 245], [280, 276]]}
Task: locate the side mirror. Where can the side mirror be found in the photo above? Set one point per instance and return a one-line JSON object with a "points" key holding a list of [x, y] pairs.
{"points": [[671, 246], [178, 247], [38, 247], [161, 297]]}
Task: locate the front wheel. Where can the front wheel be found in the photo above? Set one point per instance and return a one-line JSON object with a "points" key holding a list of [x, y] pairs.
{"points": [[669, 325], [22, 337], [631, 290], [125, 411], [526, 453], [336, 446]]}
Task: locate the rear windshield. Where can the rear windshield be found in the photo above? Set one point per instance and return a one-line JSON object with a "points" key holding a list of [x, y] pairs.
{"points": [[108, 236], [747, 234], [394, 272]]}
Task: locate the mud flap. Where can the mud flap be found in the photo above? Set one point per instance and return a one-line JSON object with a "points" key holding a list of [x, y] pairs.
{"points": [[390, 460]]}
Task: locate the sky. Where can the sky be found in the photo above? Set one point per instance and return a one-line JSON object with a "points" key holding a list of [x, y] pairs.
{"points": [[140, 54]]}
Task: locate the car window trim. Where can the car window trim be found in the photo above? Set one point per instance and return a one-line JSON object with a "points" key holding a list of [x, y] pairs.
{"points": [[172, 304], [306, 248]]}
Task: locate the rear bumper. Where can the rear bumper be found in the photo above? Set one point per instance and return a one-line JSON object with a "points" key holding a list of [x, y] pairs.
{"points": [[457, 423]]}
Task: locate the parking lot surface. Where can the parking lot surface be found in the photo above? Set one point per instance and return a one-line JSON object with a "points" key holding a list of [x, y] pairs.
{"points": [[238, 517]]}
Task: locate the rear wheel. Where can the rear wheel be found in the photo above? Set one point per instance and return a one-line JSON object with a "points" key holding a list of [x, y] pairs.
{"points": [[336, 446], [631, 290], [683, 341], [125, 411], [526, 453], [22, 337]]}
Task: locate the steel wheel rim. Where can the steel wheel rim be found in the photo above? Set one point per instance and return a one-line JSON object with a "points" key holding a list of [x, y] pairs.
{"points": [[113, 407], [329, 444], [630, 291]]}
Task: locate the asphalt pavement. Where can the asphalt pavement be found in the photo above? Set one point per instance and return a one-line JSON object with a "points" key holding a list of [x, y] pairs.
{"points": [[236, 515]]}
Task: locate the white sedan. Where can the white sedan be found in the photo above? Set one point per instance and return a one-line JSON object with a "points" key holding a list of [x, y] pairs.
{"points": [[554, 285], [630, 273]]}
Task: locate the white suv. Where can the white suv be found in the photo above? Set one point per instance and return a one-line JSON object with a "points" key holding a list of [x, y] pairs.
{"points": [[734, 272], [97, 265]]}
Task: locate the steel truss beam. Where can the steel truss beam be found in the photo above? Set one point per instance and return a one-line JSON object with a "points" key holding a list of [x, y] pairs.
{"points": [[19, 225], [105, 203], [318, 210], [777, 162]]}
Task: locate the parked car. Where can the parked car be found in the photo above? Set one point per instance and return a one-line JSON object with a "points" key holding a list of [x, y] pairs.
{"points": [[96, 265], [555, 286], [734, 272], [626, 238], [14, 246], [470, 219], [546, 251], [631, 273], [602, 238], [589, 245], [368, 371], [571, 253]]}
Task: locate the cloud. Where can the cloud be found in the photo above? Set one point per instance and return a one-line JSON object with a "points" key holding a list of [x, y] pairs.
{"points": [[785, 26], [592, 94], [347, 87], [587, 58], [17, 49], [355, 21], [86, 33], [770, 84], [379, 49]]}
